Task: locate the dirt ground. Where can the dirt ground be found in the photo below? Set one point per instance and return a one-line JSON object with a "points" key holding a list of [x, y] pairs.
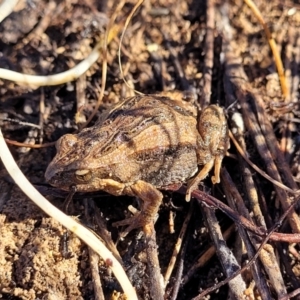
{"points": [[169, 45]]}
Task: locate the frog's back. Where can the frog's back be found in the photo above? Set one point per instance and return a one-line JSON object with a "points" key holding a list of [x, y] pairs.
{"points": [[151, 138]]}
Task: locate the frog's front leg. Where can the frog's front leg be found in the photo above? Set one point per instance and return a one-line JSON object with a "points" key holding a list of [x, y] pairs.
{"points": [[212, 145], [193, 184], [151, 198]]}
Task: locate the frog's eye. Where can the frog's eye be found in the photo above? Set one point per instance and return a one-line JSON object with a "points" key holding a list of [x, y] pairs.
{"points": [[66, 142], [83, 175]]}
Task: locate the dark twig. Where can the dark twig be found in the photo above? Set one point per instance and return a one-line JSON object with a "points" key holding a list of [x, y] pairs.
{"points": [[225, 255], [174, 56], [209, 53], [207, 255], [290, 295], [237, 78], [104, 233], [94, 260], [285, 259], [266, 256], [273, 146], [212, 202], [236, 202], [156, 280], [179, 272], [251, 261]]}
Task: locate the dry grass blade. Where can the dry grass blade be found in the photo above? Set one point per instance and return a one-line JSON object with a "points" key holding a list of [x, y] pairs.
{"points": [[257, 169], [276, 54], [128, 19], [84, 234], [112, 30], [177, 247]]}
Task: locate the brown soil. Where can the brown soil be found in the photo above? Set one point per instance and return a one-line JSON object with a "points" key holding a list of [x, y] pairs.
{"points": [[38, 258]]}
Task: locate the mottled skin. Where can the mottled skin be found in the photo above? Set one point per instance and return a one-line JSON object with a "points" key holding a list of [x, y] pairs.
{"points": [[143, 144]]}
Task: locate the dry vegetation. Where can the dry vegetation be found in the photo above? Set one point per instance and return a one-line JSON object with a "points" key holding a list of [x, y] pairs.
{"points": [[219, 51]]}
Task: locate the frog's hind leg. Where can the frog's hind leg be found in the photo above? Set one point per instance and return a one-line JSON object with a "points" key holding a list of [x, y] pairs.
{"points": [[151, 200]]}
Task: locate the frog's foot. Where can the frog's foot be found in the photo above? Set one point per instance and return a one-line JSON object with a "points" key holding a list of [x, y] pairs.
{"points": [[140, 219], [151, 198]]}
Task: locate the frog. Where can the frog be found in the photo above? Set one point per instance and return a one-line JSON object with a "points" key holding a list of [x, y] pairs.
{"points": [[141, 146]]}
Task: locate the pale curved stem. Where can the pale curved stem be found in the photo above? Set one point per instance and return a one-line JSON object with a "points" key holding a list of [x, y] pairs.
{"points": [[6, 8], [56, 79], [83, 233]]}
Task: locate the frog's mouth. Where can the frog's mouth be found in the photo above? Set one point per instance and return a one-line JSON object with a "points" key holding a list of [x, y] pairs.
{"points": [[50, 175], [58, 181], [58, 178], [83, 180]]}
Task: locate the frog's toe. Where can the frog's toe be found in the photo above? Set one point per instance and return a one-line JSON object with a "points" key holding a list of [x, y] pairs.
{"points": [[192, 186], [215, 179], [134, 222]]}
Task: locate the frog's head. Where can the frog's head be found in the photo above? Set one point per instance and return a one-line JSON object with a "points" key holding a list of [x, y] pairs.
{"points": [[71, 166]]}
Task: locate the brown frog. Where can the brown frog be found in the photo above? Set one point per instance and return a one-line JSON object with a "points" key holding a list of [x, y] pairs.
{"points": [[143, 144]]}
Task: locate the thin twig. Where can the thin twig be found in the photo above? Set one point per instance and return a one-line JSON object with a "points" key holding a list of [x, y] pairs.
{"points": [[257, 169], [35, 146], [206, 256], [21, 122], [273, 146], [179, 272], [178, 244]]}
